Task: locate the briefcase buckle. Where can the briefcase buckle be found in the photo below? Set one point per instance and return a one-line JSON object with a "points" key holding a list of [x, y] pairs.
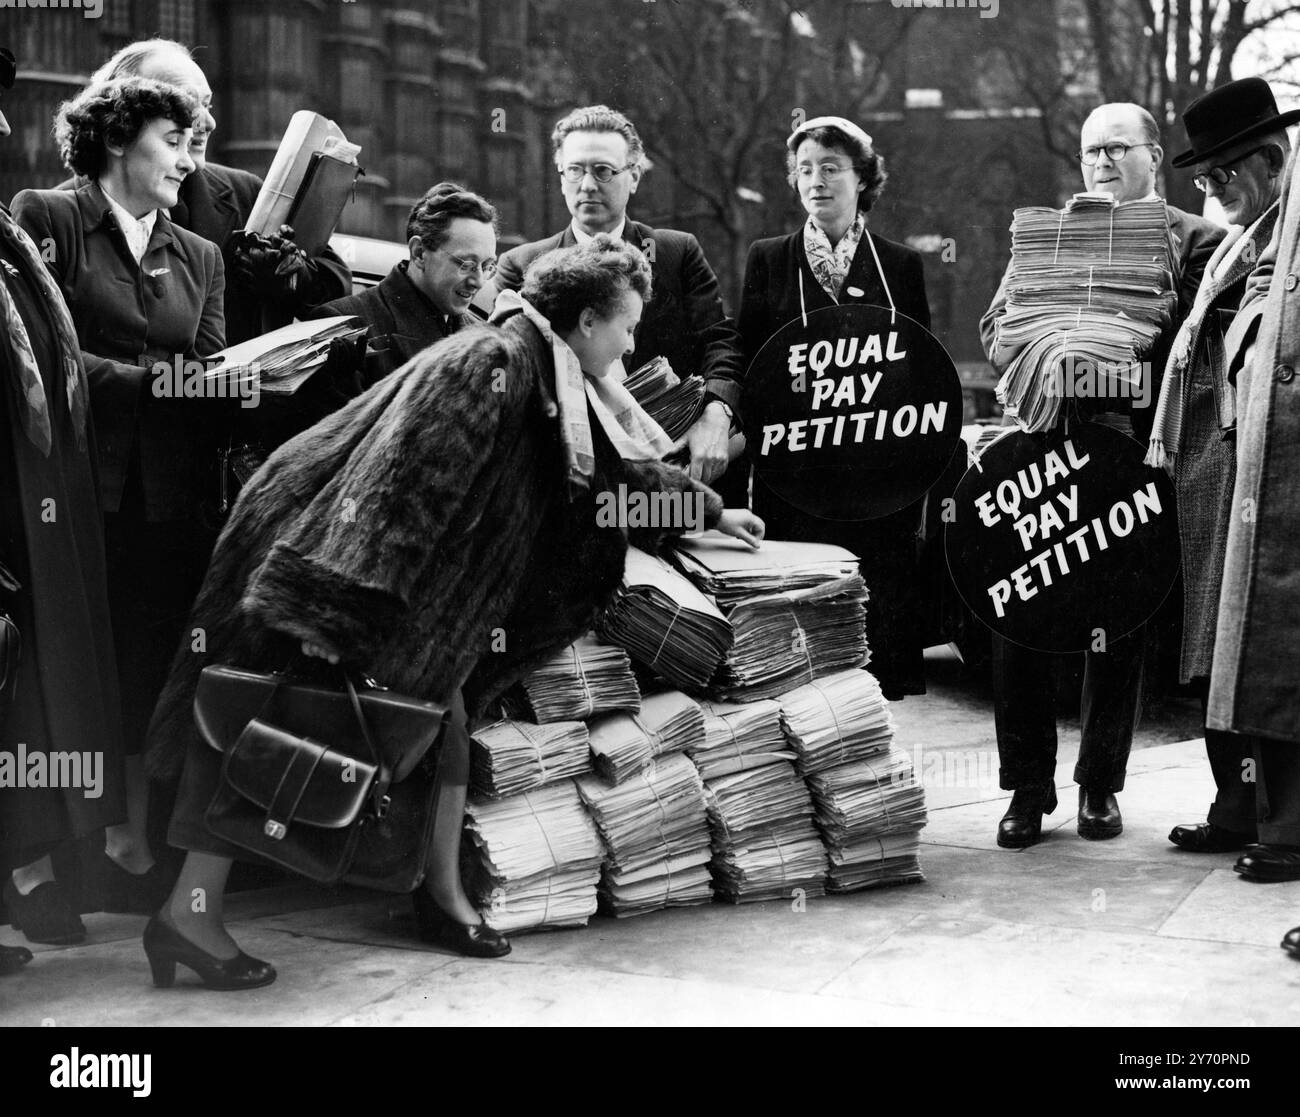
{"points": [[274, 830]]}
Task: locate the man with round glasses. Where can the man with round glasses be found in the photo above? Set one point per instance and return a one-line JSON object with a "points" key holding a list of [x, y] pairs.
{"points": [[1238, 151], [599, 156], [1119, 154]]}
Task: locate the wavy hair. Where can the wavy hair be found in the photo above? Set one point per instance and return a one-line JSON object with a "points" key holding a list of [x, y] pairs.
{"points": [[565, 281], [431, 217], [115, 112]]}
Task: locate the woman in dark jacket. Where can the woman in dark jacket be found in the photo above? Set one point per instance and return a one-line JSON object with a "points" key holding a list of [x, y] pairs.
{"points": [[833, 258], [63, 696], [439, 534], [146, 297]]}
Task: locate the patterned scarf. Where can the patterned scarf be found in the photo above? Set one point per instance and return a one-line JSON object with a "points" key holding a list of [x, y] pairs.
{"points": [[831, 265], [29, 391], [635, 435]]}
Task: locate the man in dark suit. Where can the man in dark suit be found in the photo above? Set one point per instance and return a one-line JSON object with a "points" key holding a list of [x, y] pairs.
{"points": [[267, 284], [600, 159], [1120, 155]]}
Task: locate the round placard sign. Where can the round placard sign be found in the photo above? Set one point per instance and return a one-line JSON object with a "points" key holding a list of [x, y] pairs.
{"points": [[1063, 541], [853, 415]]}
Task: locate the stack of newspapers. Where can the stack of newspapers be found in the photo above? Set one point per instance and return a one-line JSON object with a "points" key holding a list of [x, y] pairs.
{"points": [[666, 624], [280, 361], [511, 756], [624, 743], [656, 829], [533, 859], [869, 807], [589, 677], [671, 402], [1089, 291], [740, 736]]}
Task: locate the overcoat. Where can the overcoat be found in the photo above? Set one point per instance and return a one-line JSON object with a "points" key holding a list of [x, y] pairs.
{"points": [[1255, 681], [425, 531]]}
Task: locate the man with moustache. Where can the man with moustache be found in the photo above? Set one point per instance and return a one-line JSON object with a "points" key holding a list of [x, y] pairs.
{"points": [[1120, 155], [600, 159], [1239, 149]]}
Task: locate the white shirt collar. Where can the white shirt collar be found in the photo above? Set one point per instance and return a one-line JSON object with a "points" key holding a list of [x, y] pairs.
{"points": [[586, 238], [136, 230]]}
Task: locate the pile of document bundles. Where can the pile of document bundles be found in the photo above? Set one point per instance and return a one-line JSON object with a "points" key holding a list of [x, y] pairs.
{"points": [[1089, 291], [835, 720], [532, 860], [656, 829], [589, 677], [279, 362], [671, 402], [731, 570], [510, 756], [623, 743], [666, 624], [870, 813]]}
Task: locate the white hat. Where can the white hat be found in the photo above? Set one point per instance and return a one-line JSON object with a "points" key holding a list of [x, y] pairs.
{"points": [[846, 126]]}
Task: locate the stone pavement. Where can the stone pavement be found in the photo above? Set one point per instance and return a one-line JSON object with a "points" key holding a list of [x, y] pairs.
{"points": [[1124, 932]]}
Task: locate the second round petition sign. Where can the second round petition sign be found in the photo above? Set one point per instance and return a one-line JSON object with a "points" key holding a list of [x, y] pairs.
{"points": [[854, 415]]}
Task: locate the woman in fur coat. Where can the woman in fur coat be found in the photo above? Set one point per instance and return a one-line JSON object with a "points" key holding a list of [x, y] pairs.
{"points": [[438, 534]]}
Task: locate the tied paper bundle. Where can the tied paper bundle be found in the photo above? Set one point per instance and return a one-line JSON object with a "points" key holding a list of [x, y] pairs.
{"points": [[623, 743], [782, 640], [732, 571], [841, 718], [513, 756], [533, 859], [665, 623], [279, 362], [739, 737], [656, 829], [747, 804], [870, 813], [671, 402], [1089, 291], [589, 677]]}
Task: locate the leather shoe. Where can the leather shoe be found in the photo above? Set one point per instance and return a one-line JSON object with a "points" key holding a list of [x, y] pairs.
{"points": [[1206, 837], [438, 928], [1291, 942], [1022, 825], [1099, 816], [13, 958], [134, 893], [165, 947], [44, 914], [1266, 864]]}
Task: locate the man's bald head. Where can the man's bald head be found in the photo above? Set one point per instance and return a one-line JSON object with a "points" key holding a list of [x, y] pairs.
{"points": [[1133, 174]]}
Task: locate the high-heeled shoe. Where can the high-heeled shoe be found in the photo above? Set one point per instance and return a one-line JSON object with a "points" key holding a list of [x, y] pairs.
{"points": [[164, 946], [437, 927], [1022, 825]]}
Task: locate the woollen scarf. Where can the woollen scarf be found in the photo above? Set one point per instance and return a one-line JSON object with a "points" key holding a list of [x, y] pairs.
{"points": [[31, 403], [635, 435]]}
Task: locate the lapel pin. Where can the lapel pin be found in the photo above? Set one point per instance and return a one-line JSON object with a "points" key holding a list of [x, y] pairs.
{"points": [[854, 292]]}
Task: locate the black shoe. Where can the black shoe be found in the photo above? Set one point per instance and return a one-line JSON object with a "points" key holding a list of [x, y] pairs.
{"points": [[13, 959], [1022, 825], [1099, 816], [44, 914], [164, 946], [1266, 864], [435, 926], [1291, 942], [1206, 837], [134, 893]]}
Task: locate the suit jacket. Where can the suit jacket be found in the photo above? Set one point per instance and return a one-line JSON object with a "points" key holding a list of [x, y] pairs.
{"points": [[128, 317], [1195, 239], [214, 203], [1253, 685], [684, 321], [1206, 464]]}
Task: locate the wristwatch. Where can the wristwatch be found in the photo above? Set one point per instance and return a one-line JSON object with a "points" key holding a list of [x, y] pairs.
{"points": [[731, 415]]}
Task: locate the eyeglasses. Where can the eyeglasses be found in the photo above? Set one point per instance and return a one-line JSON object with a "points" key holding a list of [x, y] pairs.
{"points": [[488, 268], [1220, 175], [601, 172], [828, 171], [1115, 152]]}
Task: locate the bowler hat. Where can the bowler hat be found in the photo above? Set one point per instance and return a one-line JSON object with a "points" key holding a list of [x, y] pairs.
{"points": [[8, 68], [1228, 115]]}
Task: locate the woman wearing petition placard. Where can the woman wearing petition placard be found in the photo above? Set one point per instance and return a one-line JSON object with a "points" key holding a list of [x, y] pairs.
{"points": [[833, 259]]}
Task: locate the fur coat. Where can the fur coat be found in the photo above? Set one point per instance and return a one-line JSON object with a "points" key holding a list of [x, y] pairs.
{"points": [[424, 531]]}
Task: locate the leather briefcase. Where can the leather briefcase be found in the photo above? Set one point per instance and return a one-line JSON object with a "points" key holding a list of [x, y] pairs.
{"points": [[334, 785]]}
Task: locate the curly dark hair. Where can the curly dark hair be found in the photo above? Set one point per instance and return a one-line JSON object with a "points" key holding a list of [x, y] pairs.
{"points": [[869, 164], [565, 281], [115, 112], [598, 118], [432, 215]]}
